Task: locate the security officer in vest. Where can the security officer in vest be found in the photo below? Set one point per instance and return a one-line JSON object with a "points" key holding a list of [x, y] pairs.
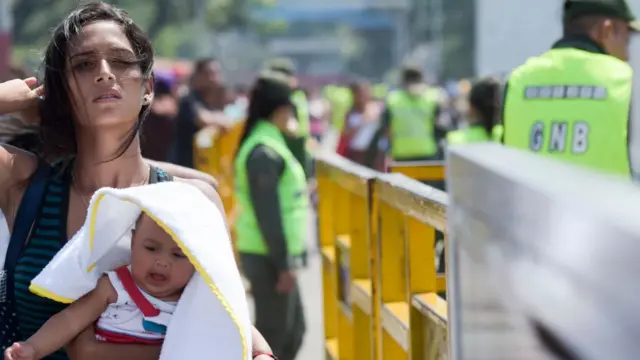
{"points": [[272, 226], [572, 102], [410, 117], [299, 100]]}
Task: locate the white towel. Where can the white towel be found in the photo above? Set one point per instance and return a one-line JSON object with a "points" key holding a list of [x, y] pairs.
{"points": [[212, 316]]}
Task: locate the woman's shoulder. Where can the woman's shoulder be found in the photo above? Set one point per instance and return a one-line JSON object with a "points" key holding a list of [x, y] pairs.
{"points": [[207, 189], [20, 164], [16, 168]]}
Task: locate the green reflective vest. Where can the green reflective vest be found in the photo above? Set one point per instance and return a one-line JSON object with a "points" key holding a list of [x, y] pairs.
{"points": [[380, 91], [572, 105], [412, 124], [472, 134], [292, 194], [340, 100], [299, 99]]}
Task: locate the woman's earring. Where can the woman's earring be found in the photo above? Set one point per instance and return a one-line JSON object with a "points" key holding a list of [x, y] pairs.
{"points": [[146, 100]]}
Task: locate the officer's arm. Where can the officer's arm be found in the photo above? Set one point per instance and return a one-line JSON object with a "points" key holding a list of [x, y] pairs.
{"points": [[633, 155], [264, 168], [297, 146], [383, 129], [501, 119], [439, 130], [385, 122]]}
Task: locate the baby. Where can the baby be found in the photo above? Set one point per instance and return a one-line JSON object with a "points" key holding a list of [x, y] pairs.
{"points": [[133, 304]]}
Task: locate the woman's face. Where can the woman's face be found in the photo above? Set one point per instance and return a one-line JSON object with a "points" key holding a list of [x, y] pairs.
{"points": [[106, 82], [282, 118]]}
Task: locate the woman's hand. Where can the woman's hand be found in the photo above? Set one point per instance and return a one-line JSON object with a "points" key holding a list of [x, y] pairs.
{"points": [[86, 347], [18, 95], [286, 281]]}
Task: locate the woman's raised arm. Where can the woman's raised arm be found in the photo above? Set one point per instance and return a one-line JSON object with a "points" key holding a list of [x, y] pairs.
{"points": [[15, 165]]}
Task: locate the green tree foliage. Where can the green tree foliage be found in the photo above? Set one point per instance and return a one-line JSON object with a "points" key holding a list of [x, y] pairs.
{"points": [[170, 23]]}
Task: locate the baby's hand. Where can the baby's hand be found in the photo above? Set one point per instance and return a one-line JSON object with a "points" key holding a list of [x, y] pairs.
{"points": [[20, 351]]}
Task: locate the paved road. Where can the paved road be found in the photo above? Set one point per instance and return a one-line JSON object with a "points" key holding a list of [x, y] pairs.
{"points": [[311, 284]]}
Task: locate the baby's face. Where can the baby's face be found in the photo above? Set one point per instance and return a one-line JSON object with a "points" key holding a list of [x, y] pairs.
{"points": [[158, 265]]}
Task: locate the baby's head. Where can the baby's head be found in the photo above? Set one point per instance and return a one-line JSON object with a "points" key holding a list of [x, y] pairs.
{"points": [[158, 265]]}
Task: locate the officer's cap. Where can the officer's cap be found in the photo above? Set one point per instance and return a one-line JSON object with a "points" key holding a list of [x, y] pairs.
{"points": [[614, 8], [283, 65]]}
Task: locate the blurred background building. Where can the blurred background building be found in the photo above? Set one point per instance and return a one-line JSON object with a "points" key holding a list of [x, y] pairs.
{"points": [[328, 39]]}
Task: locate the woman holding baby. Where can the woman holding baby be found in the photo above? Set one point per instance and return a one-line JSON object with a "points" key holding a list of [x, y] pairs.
{"points": [[98, 86]]}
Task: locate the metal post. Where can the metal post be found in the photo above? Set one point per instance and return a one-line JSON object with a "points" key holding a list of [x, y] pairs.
{"points": [[402, 35], [201, 8], [437, 33]]}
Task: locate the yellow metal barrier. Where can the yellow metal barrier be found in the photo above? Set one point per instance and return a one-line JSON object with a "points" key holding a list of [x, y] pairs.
{"points": [[345, 239], [419, 170], [380, 306], [214, 152], [413, 317]]}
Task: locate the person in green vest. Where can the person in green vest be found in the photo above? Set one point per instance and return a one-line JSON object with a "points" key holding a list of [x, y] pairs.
{"points": [[572, 102], [380, 91], [409, 119], [298, 144], [484, 109], [340, 100], [272, 226]]}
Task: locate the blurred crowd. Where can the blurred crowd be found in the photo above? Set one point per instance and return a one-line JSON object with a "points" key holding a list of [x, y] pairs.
{"points": [[350, 117]]}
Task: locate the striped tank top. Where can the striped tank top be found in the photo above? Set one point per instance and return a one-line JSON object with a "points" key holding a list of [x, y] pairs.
{"points": [[48, 236]]}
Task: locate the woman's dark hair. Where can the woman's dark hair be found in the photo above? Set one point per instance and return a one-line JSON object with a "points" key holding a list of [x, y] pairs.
{"points": [[484, 98], [14, 132], [269, 93], [56, 109]]}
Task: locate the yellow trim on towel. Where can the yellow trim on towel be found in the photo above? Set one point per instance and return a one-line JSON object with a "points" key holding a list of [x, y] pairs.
{"points": [[42, 292], [92, 223]]}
